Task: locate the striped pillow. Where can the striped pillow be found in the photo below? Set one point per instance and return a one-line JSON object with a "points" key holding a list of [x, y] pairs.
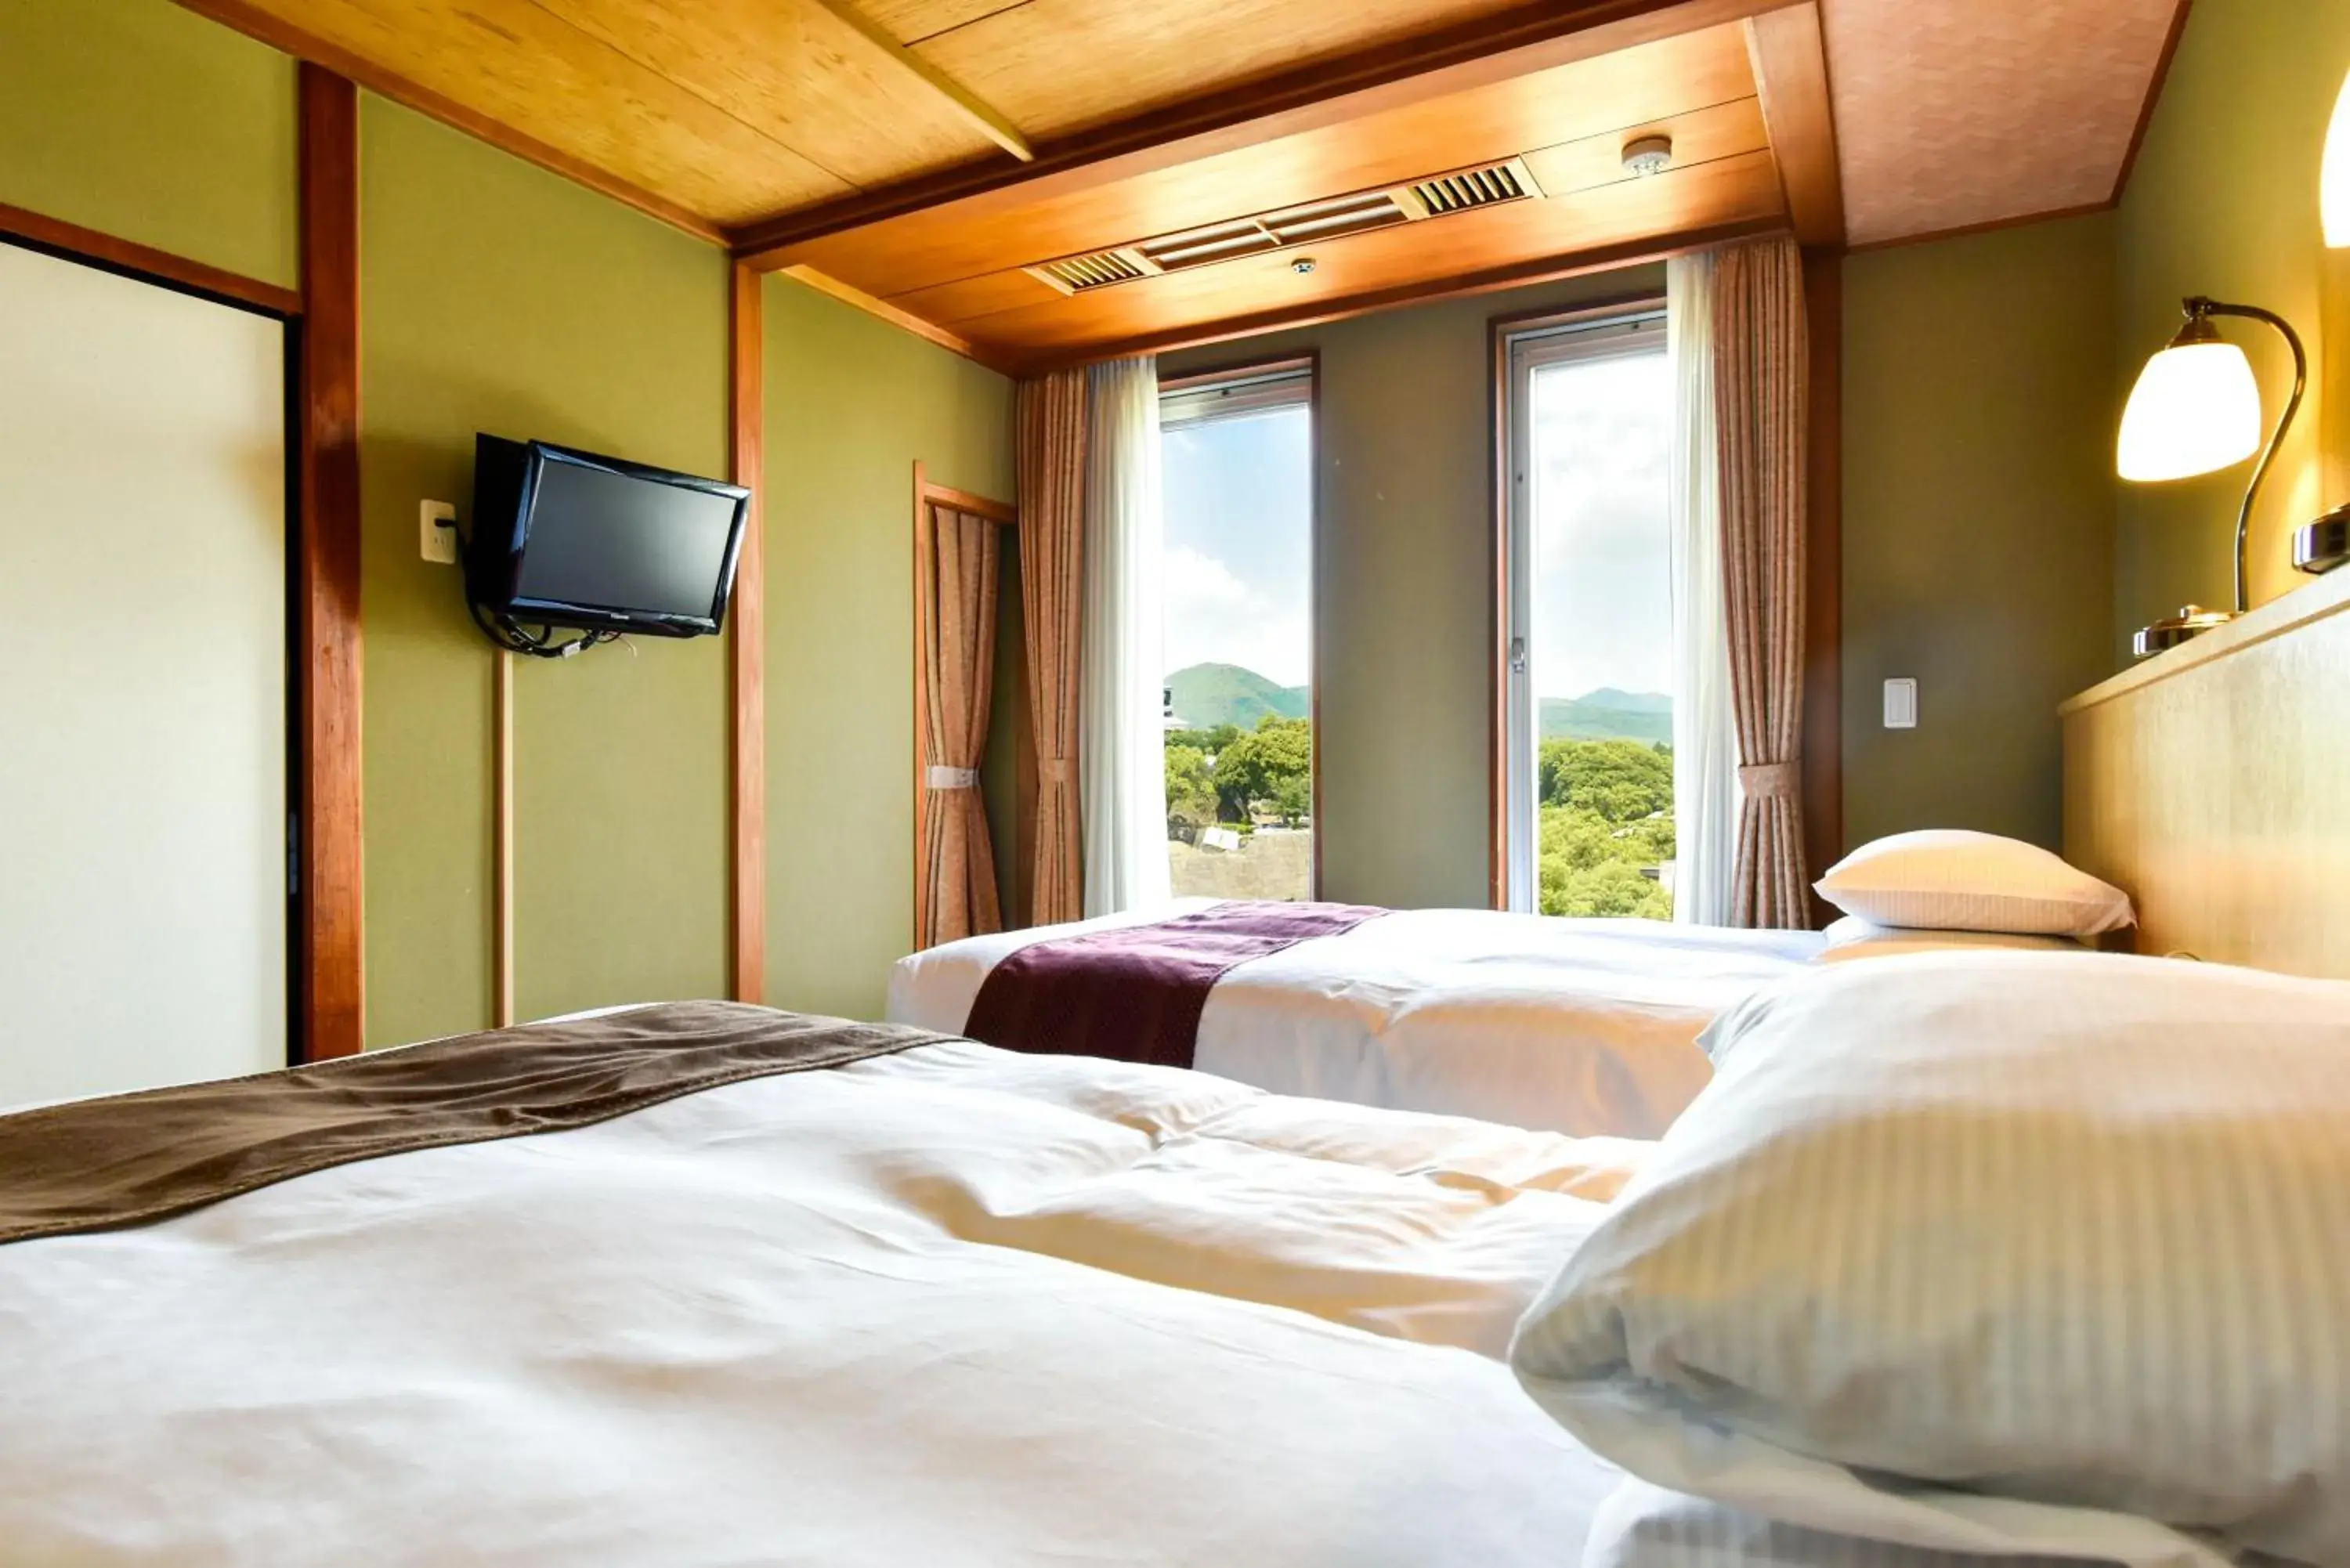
{"points": [[1853, 937], [2055, 1247], [1945, 878], [1643, 1526]]}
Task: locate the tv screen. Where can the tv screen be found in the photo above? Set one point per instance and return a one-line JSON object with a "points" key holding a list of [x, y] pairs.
{"points": [[573, 539]]}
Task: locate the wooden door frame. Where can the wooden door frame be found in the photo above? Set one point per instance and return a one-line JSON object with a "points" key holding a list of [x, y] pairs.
{"points": [[326, 956], [1003, 514]]}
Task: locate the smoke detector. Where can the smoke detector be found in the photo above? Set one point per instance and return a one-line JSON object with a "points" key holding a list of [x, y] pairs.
{"points": [[1646, 155]]}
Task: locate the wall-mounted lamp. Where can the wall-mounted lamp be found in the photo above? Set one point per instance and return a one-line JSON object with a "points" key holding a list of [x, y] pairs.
{"points": [[2197, 409], [2334, 174]]}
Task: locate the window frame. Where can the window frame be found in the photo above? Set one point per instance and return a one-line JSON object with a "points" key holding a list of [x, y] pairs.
{"points": [[1253, 386], [1519, 346]]}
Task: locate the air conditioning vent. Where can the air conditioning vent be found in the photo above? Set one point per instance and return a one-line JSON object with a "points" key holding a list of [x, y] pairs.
{"points": [[1310, 222], [1217, 241], [1485, 186], [1334, 219], [1095, 269]]}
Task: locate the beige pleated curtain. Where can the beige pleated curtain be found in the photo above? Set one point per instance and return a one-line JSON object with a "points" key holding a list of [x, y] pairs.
{"points": [[959, 579], [1761, 390], [1051, 439]]}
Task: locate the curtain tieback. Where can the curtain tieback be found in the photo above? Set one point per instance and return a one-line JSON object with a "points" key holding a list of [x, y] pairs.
{"points": [[1055, 770], [953, 778], [1770, 780]]}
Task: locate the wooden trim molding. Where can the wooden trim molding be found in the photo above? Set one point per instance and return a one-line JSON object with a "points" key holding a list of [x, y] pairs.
{"points": [[1791, 75], [1003, 514], [2153, 99], [747, 440], [922, 614], [1823, 772], [333, 1007], [287, 39], [147, 263], [502, 840]]}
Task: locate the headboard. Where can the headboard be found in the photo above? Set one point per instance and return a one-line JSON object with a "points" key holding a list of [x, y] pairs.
{"points": [[2212, 784]]}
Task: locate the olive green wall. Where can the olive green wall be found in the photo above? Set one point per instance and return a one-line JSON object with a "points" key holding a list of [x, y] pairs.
{"points": [[1403, 612], [852, 403], [147, 122], [1978, 520], [2223, 201], [500, 297]]}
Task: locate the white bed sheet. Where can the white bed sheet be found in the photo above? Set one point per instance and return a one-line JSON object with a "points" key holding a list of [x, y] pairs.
{"points": [[919, 1310], [1577, 1026]]}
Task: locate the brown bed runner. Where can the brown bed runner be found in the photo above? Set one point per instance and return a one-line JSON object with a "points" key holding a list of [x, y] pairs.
{"points": [[1135, 994], [98, 1165]]}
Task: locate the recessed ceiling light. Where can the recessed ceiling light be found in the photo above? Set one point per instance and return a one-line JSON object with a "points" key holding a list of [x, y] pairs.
{"points": [[1647, 155], [1302, 266]]}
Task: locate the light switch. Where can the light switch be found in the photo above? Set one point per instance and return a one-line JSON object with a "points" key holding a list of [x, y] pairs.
{"points": [[1901, 704], [436, 522]]}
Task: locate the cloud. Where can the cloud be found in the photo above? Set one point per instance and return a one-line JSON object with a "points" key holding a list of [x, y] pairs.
{"points": [[1213, 615]]}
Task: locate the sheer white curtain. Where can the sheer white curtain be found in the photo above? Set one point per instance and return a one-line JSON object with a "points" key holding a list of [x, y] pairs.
{"points": [[1705, 738], [1121, 756]]}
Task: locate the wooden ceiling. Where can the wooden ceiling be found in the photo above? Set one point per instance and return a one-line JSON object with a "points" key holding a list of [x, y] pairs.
{"points": [[925, 158]]}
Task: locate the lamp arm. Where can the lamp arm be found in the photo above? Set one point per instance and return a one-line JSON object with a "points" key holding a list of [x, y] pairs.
{"points": [[2200, 306]]}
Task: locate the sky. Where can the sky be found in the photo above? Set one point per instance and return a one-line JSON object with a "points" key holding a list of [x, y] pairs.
{"points": [[1239, 545], [1603, 601]]}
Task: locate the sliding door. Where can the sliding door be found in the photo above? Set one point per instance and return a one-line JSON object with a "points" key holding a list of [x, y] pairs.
{"points": [[143, 851], [1586, 755]]}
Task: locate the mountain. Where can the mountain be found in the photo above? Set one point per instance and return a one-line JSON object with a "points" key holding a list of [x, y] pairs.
{"points": [[1609, 714], [1207, 695]]}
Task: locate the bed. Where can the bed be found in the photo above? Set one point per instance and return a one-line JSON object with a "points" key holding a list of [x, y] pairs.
{"points": [[1579, 1027], [948, 1304]]}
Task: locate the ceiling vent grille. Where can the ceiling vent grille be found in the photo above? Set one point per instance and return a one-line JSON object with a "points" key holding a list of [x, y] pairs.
{"points": [[1095, 269], [1337, 217], [1465, 188]]}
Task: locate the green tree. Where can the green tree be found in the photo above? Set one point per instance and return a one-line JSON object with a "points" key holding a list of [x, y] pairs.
{"points": [[1272, 767], [1606, 823], [1621, 781], [1191, 790]]}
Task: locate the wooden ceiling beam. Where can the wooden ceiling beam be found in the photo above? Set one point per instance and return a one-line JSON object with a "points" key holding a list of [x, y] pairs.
{"points": [[1791, 75], [981, 116], [1456, 59], [289, 39]]}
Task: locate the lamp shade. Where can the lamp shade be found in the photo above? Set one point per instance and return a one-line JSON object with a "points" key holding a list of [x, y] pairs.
{"points": [[2195, 409], [2333, 178]]}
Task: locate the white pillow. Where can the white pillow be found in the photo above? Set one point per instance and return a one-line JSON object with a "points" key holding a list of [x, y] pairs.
{"points": [[2050, 1250], [1948, 880], [1852, 937]]}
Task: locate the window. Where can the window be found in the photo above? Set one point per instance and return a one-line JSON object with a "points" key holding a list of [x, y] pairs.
{"points": [[1237, 451], [1587, 732]]}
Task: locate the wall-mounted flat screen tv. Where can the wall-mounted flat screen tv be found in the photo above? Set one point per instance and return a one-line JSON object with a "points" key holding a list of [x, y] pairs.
{"points": [[565, 539]]}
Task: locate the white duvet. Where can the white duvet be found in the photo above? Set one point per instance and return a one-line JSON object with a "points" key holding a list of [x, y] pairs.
{"points": [[955, 1306], [1573, 1026]]}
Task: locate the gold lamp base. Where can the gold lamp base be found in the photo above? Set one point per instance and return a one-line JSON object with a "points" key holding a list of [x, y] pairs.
{"points": [[2191, 622]]}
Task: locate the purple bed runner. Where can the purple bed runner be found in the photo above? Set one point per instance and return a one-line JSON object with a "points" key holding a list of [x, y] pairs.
{"points": [[1135, 994]]}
